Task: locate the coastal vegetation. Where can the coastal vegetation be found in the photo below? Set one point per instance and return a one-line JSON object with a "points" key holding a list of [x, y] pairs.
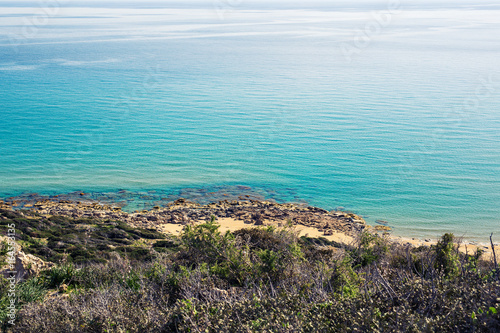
{"points": [[108, 276]]}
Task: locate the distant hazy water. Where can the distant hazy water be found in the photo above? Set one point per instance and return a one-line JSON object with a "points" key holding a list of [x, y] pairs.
{"points": [[404, 127]]}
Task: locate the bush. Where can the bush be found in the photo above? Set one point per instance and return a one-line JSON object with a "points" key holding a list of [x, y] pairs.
{"points": [[370, 248], [204, 243], [263, 280], [57, 275], [447, 256]]}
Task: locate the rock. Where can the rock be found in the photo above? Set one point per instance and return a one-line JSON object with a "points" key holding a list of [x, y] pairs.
{"points": [[258, 222], [63, 288], [382, 228], [27, 265], [258, 219]]}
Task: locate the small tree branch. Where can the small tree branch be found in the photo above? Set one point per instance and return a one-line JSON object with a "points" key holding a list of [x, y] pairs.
{"points": [[494, 254]]}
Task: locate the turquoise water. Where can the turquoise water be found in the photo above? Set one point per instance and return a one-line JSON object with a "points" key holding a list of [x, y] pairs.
{"points": [[404, 126]]}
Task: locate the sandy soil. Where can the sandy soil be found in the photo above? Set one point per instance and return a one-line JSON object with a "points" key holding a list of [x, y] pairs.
{"points": [[465, 246], [232, 224]]}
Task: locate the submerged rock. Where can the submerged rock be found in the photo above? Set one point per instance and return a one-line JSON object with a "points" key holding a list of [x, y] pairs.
{"points": [[382, 228]]}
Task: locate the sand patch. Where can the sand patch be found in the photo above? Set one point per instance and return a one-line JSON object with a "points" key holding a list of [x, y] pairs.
{"points": [[232, 224], [464, 246]]}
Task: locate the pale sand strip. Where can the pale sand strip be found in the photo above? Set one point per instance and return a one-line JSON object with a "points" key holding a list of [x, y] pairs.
{"points": [[232, 224], [464, 246]]}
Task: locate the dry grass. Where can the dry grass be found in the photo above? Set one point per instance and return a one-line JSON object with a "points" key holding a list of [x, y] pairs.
{"points": [[272, 280]]}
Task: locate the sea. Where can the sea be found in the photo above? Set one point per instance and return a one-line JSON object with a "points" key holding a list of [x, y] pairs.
{"points": [[389, 109]]}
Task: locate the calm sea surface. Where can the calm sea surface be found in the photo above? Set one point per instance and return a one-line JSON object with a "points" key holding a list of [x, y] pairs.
{"points": [[390, 110]]}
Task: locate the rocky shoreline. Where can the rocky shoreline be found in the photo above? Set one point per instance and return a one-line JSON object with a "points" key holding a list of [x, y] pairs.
{"points": [[183, 212], [247, 211], [338, 226]]}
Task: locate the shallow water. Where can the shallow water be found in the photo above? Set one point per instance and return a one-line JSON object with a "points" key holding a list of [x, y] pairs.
{"points": [[401, 125]]}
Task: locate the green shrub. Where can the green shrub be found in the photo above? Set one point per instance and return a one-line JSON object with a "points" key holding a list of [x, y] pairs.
{"points": [[4, 249], [59, 274], [371, 247], [269, 261], [31, 290], [447, 260], [345, 281], [204, 243], [165, 244]]}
